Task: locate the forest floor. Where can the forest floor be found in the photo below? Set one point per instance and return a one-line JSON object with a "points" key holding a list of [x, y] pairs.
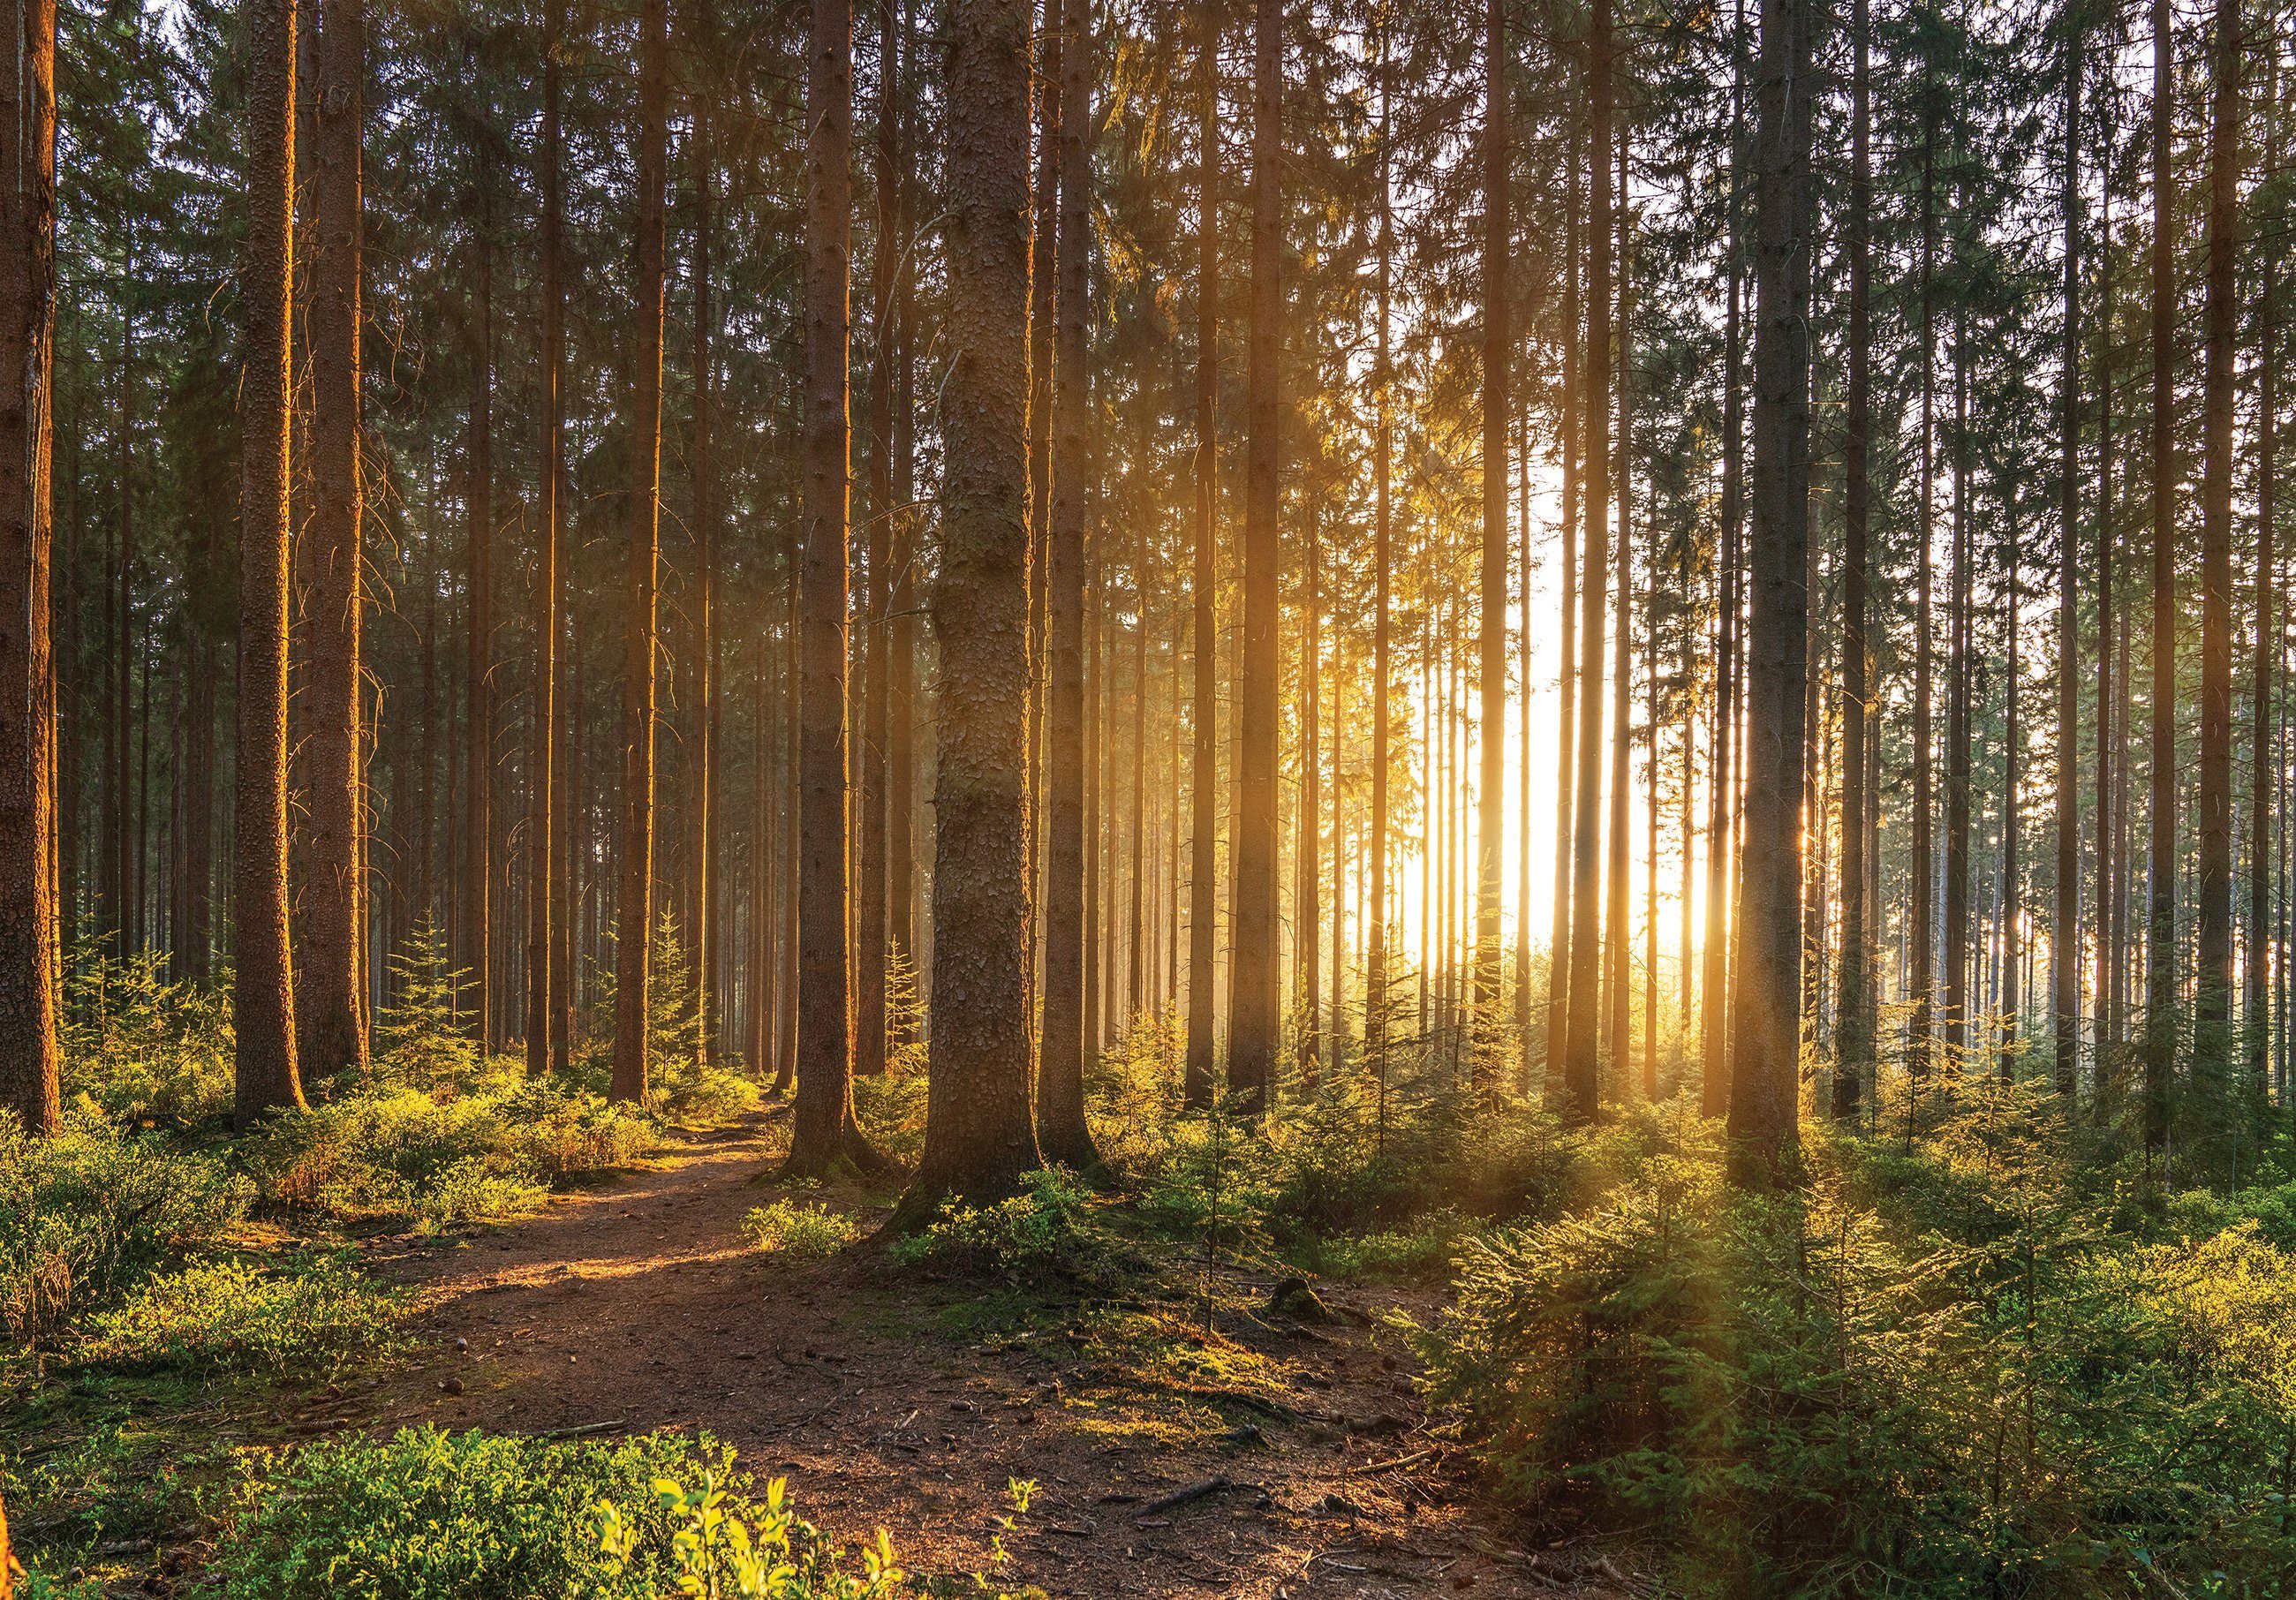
{"points": [[893, 1401]]}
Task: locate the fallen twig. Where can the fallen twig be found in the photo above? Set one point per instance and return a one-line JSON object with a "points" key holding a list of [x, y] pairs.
{"points": [[1191, 1493], [585, 1429]]}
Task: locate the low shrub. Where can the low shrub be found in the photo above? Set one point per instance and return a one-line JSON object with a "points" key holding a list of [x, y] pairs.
{"points": [[309, 1316], [148, 1050], [799, 1230], [431, 1515], [86, 1215], [1047, 1224], [1993, 1393]]}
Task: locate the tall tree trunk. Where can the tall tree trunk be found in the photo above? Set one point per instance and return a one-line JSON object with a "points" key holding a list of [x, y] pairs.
{"points": [[1960, 670], [1581, 1057], [980, 1135], [1765, 1009], [263, 994], [2256, 1017], [2064, 935], [1558, 942], [2213, 1028], [900, 590], [478, 637], [1498, 349], [1254, 1019], [2008, 1003], [1920, 869], [333, 1011], [1853, 1039], [1307, 856], [1062, 1133], [824, 1135], [2161, 911], [1383, 669], [634, 909], [869, 917], [30, 1056], [1618, 892], [544, 836], [701, 922], [1714, 983], [1204, 773]]}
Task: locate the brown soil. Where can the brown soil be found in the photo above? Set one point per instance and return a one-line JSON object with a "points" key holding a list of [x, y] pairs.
{"points": [[892, 1402]]}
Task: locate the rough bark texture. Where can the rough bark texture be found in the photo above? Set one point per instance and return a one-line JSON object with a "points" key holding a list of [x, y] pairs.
{"points": [[2161, 911], [263, 993], [2064, 936], [1254, 1019], [1581, 1049], [1765, 1008], [31, 1059], [476, 890], [1204, 777], [1499, 348], [544, 837], [2212, 925], [869, 936], [633, 931], [333, 1013], [1060, 1131], [1853, 1042], [980, 1136]]}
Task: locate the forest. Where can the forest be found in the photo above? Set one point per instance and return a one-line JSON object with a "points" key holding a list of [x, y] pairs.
{"points": [[1088, 797]]}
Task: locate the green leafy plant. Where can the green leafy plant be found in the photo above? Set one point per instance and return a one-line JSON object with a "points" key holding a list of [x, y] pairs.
{"points": [[799, 1230], [308, 1317], [1047, 1224]]}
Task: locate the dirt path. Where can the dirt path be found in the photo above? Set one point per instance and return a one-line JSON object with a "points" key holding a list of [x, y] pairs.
{"points": [[886, 1403]]}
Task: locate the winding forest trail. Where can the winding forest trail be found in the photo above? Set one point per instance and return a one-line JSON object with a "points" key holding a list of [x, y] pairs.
{"points": [[640, 1306]]}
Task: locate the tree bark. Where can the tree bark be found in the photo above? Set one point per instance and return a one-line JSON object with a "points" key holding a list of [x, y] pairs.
{"points": [[1498, 349], [1853, 1042], [1254, 1019], [869, 918], [263, 994], [824, 1135], [477, 888], [980, 1135], [633, 911], [333, 1012], [2064, 935], [1765, 1009], [1581, 1052], [2212, 1021], [1203, 775], [544, 836], [2161, 911], [30, 1055], [1062, 1133]]}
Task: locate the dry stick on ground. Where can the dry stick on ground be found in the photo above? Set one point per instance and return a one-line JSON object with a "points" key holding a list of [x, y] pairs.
{"points": [[1192, 1493]]}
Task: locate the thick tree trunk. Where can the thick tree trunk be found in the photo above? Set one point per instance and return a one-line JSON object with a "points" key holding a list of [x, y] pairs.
{"points": [[1714, 984], [1581, 1051], [1853, 1039], [1558, 942], [824, 1135], [544, 836], [2064, 934], [30, 1058], [1062, 1133], [1254, 1019], [980, 1136], [2212, 1021], [2161, 912], [1499, 350], [263, 994], [701, 819], [1204, 774], [477, 887], [1767, 1006], [333, 1011], [633, 910], [1382, 670]]}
